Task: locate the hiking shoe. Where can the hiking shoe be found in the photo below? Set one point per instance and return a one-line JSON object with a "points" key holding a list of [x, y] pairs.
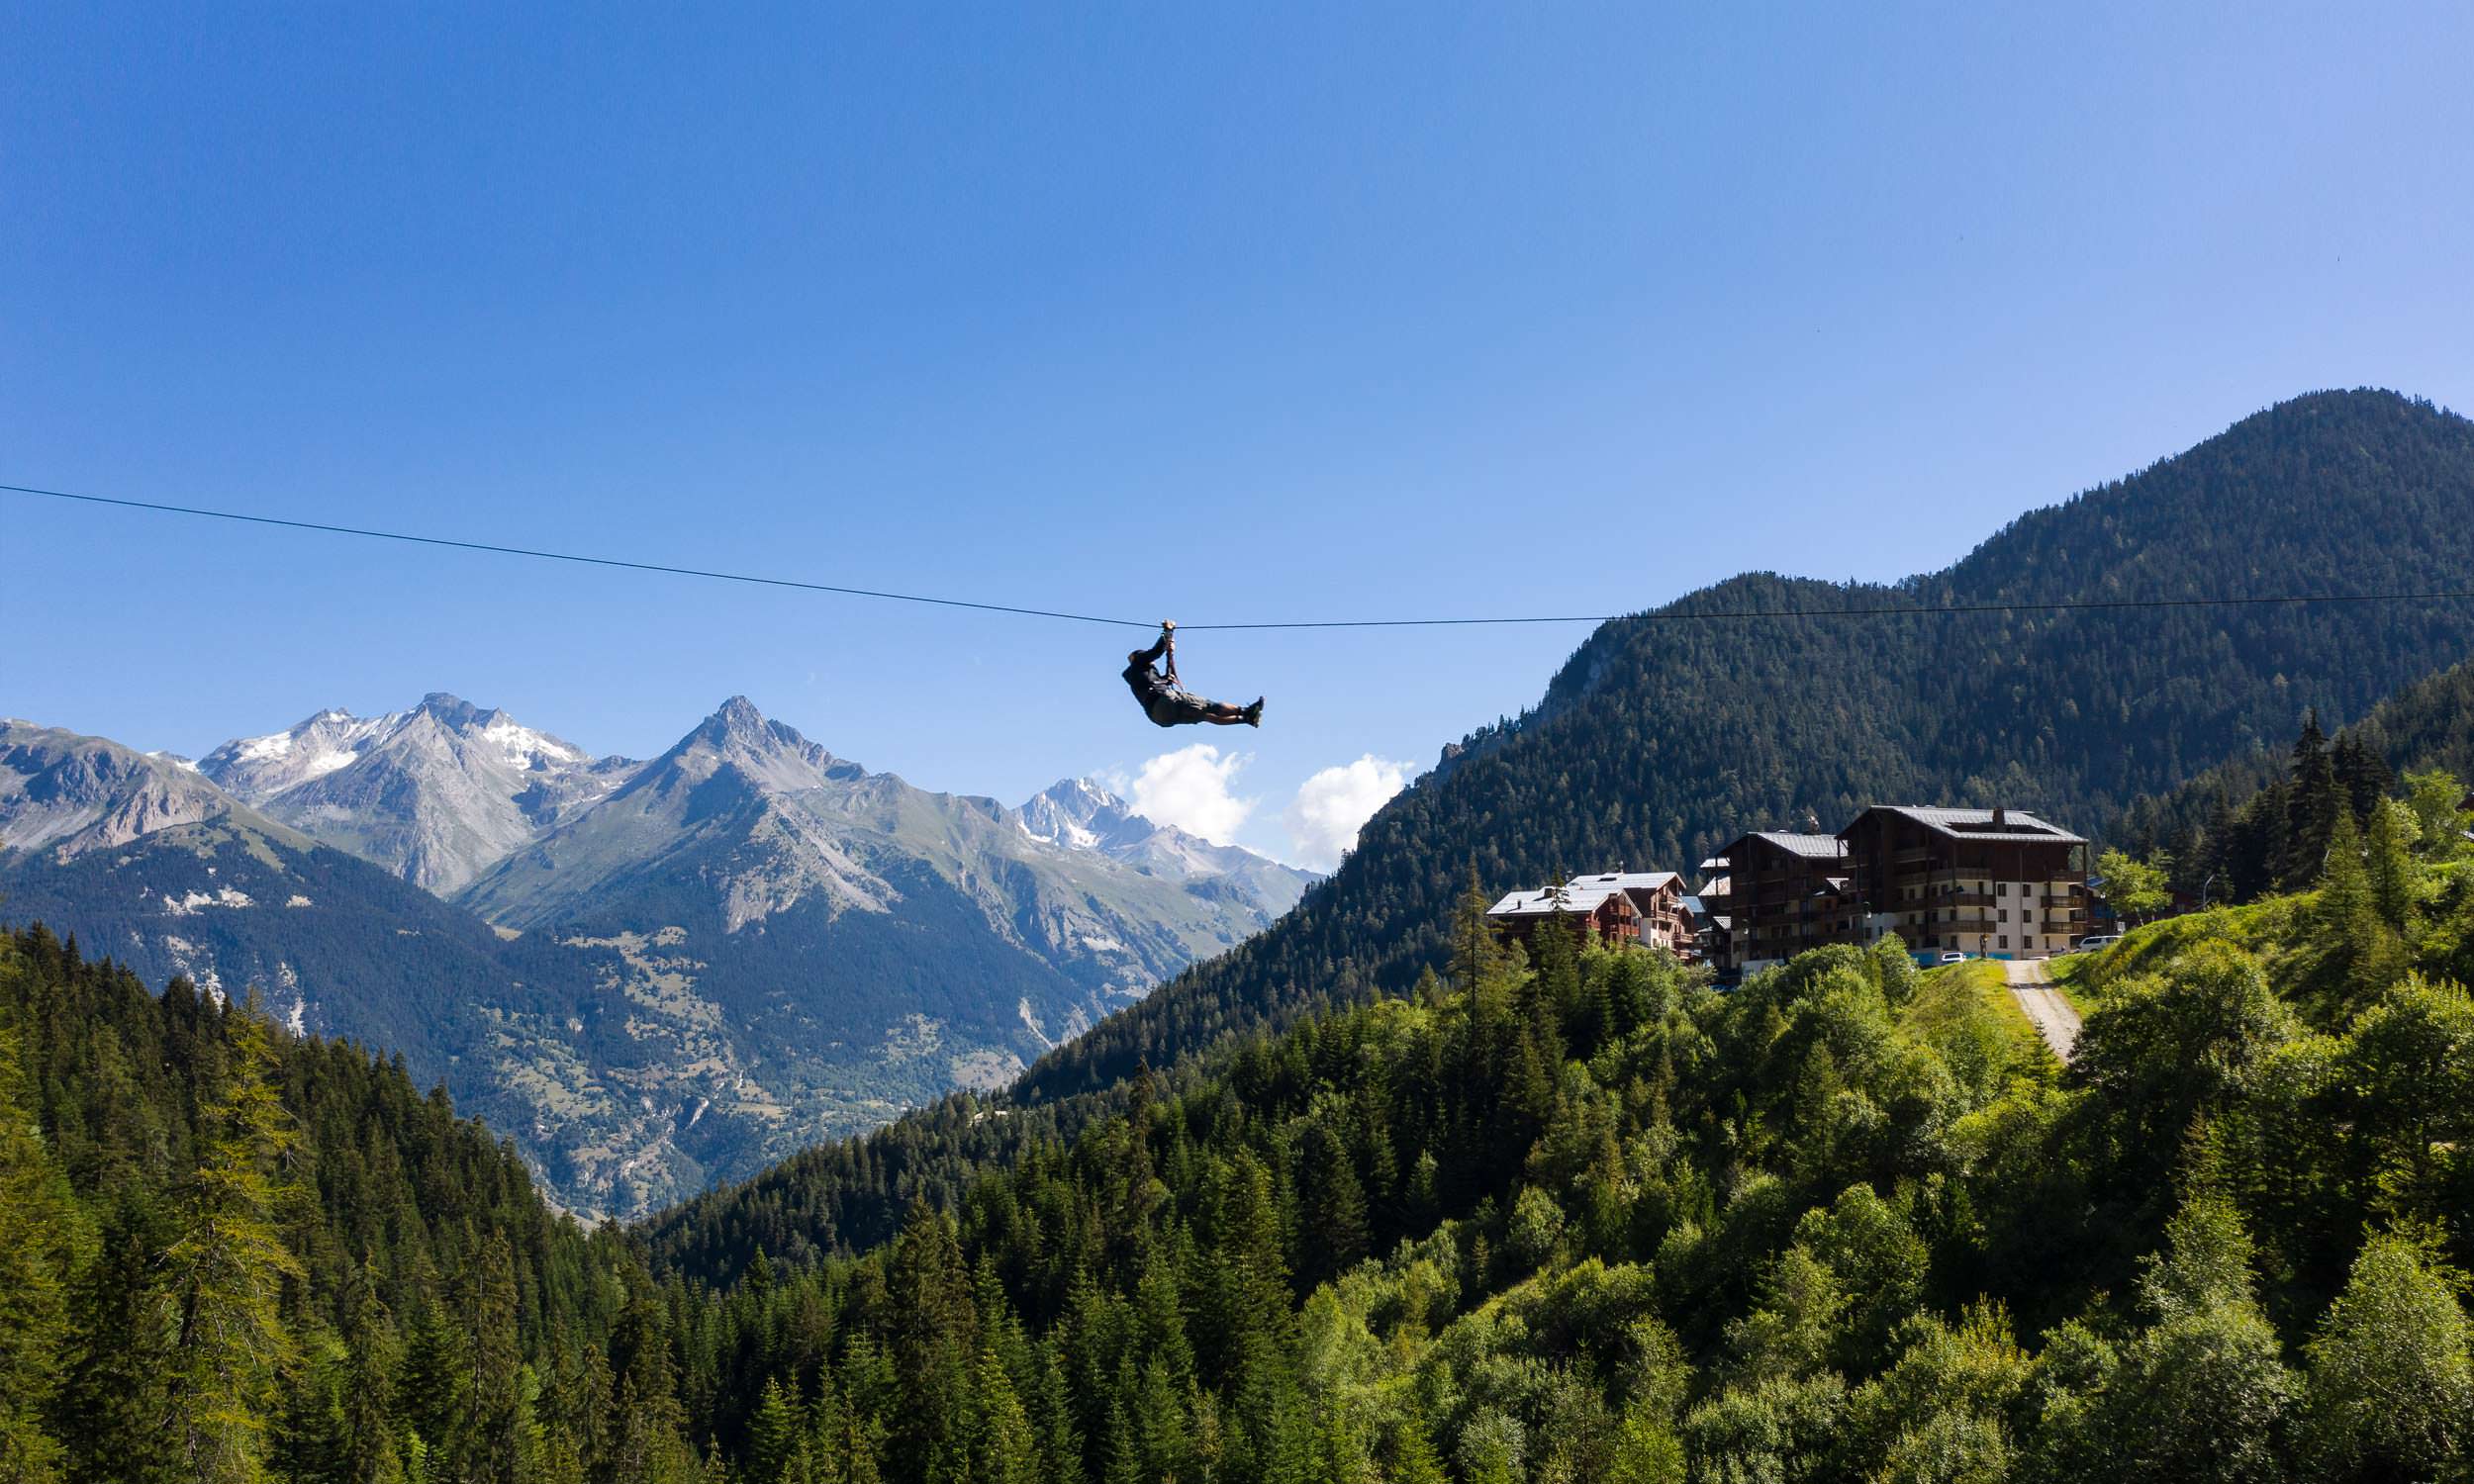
{"points": [[1253, 714]]}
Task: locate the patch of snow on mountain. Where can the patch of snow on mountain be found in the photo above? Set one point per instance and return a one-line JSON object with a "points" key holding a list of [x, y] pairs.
{"points": [[525, 749], [189, 903]]}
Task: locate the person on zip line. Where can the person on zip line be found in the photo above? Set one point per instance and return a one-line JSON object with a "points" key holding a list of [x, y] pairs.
{"points": [[1169, 704]]}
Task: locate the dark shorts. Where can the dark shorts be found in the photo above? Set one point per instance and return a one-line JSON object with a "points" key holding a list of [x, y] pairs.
{"points": [[1176, 708]]}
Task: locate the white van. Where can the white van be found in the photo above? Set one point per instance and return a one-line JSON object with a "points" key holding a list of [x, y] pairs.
{"points": [[2095, 941]]}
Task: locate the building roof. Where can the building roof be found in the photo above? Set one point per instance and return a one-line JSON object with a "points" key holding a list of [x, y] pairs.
{"points": [[1811, 847], [1636, 880], [1548, 900], [1719, 862], [1692, 904], [1979, 824]]}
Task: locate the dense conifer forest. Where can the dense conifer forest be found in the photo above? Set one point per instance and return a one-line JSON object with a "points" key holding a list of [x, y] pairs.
{"points": [[2261, 822], [1585, 1218], [228, 1254], [1664, 738], [1575, 1218]]}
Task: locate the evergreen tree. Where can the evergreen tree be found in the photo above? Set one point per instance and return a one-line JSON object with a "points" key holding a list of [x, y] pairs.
{"points": [[2314, 803], [1332, 1231], [2363, 954], [371, 1451], [113, 1400], [35, 1256], [226, 1271], [2388, 856], [774, 1436]]}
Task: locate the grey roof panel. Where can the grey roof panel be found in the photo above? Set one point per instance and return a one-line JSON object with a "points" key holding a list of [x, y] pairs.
{"points": [[2018, 825]]}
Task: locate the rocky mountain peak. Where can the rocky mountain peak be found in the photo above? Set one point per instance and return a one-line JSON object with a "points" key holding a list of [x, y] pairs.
{"points": [[73, 793], [454, 711]]}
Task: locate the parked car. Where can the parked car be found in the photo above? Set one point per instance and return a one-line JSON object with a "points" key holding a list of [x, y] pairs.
{"points": [[1952, 956], [2095, 941]]}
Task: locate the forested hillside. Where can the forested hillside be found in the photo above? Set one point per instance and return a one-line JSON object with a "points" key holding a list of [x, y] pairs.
{"points": [[227, 1254], [2261, 821], [1665, 736], [1588, 1220], [1581, 1217]]}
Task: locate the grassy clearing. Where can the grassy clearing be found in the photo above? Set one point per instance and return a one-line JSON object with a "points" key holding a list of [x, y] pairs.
{"points": [[2265, 928], [1957, 995]]}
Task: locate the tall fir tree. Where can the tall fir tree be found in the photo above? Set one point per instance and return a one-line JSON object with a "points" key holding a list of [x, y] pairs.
{"points": [[227, 1268]]}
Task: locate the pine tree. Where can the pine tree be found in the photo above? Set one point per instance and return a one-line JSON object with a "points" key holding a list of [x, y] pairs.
{"points": [[34, 1254], [773, 1434], [372, 1453], [434, 1390], [1332, 1230], [494, 1362], [935, 1341], [2363, 954], [226, 1266], [2388, 852], [2313, 806], [1003, 1447], [113, 1399]]}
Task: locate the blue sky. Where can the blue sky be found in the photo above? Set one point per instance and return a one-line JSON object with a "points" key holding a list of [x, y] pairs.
{"points": [[1215, 313]]}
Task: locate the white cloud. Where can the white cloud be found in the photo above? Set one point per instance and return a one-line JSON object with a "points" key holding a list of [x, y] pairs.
{"points": [[1189, 789], [1334, 805]]}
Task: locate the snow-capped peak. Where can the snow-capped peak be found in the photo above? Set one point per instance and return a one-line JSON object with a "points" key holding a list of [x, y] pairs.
{"points": [[260, 767]]}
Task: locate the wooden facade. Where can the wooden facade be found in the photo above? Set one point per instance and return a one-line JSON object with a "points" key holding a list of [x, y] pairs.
{"points": [[1590, 914], [1786, 892], [1997, 883], [1665, 915]]}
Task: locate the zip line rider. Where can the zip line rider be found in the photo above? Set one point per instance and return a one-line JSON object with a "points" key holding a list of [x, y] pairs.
{"points": [[1169, 704]]}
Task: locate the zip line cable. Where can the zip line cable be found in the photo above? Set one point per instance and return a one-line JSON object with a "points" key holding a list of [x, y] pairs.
{"points": [[1878, 612]]}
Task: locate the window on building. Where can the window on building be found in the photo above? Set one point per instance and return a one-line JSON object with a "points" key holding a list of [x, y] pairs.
{"points": [[2002, 916], [2001, 889], [2005, 942]]}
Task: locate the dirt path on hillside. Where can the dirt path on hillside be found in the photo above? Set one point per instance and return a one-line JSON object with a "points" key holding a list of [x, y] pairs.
{"points": [[2032, 987]]}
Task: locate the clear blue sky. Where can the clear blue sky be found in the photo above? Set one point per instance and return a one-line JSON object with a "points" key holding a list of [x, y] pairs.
{"points": [[1214, 313]]}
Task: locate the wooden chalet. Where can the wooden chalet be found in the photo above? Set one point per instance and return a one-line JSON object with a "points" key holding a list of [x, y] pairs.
{"points": [[1604, 914], [1664, 914]]}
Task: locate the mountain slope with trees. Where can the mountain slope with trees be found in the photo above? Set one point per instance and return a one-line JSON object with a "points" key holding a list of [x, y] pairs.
{"points": [[687, 969], [226, 1253], [1583, 1218], [1666, 735], [2261, 821]]}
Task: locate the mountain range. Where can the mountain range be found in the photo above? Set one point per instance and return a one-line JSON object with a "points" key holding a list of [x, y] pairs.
{"points": [[651, 973], [2060, 667]]}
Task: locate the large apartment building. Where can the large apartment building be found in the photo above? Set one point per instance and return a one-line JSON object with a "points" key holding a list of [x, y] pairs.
{"points": [[2000, 882], [1784, 894]]}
